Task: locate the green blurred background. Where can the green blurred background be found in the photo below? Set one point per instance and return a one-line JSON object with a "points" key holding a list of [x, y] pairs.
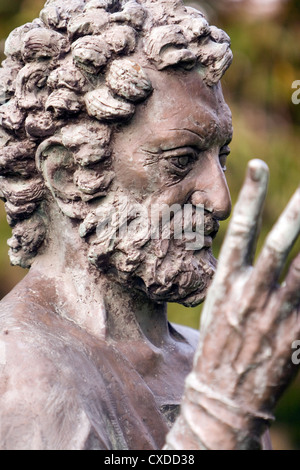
{"points": [[266, 44]]}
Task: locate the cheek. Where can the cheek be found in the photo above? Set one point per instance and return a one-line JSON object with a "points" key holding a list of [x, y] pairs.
{"points": [[130, 174], [178, 193]]}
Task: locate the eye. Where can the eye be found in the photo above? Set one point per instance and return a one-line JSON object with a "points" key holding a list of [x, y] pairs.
{"points": [[181, 162], [182, 159], [224, 152]]}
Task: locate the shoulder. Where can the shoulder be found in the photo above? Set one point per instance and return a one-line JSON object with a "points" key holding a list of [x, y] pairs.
{"points": [[39, 409], [23, 330]]}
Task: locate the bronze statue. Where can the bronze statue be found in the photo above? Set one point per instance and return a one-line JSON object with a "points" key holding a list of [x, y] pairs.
{"points": [[114, 113]]}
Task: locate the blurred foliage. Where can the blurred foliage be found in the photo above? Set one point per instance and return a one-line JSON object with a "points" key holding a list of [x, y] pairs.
{"points": [[266, 123]]}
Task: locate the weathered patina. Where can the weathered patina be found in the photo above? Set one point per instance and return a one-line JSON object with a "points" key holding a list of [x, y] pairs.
{"points": [[114, 112]]}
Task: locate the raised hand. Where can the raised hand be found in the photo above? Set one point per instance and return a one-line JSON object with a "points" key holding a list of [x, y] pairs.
{"points": [[249, 323]]}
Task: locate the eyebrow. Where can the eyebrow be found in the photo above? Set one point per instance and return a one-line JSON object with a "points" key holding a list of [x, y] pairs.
{"points": [[202, 138], [197, 134], [192, 139]]}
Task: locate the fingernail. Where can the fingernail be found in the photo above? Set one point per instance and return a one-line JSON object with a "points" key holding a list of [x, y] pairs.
{"points": [[258, 170]]}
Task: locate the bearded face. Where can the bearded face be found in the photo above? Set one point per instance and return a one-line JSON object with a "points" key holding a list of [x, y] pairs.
{"points": [[175, 160]]}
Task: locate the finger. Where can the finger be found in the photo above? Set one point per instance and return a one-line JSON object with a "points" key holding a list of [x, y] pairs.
{"points": [[278, 245], [290, 291], [241, 234]]}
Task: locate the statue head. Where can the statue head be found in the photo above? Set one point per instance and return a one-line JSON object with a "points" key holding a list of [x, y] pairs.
{"points": [[115, 107]]}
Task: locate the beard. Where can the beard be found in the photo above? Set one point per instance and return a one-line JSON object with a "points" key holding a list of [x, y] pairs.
{"points": [[163, 268]]}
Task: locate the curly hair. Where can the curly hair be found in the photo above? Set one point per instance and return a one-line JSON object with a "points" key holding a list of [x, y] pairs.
{"points": [[69, 77]]}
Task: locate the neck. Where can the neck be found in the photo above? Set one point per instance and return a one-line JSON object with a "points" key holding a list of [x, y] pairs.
{"points": [[103, 307]]}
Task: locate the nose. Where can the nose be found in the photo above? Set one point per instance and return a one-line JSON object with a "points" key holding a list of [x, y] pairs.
{"points": [[211, 190]]}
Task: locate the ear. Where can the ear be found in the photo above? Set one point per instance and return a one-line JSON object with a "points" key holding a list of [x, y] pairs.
{"points": [[57, 165]]}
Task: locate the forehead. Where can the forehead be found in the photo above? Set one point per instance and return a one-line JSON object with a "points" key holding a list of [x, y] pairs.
{"points": [[182, 107]]}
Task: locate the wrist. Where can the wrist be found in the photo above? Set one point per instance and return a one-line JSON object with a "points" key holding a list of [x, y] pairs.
{"points": [[214, 422]]}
